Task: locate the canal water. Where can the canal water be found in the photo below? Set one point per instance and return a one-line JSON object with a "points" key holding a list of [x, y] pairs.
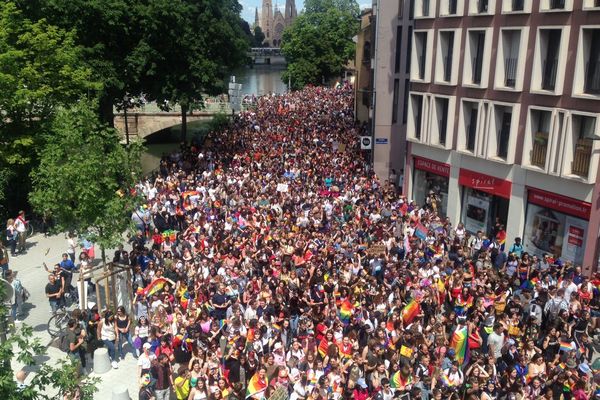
{"points": [[259, 80]]}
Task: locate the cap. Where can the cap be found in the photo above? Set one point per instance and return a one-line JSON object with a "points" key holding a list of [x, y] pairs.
{"points": [[450, 352], [147, 345], [584, 368], [361, 382]]}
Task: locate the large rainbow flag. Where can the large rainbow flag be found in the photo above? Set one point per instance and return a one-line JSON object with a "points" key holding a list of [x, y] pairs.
{"points": [[410, 311], [323, 346], [256, 387], [157, 285], [399, 382], [345, 311], [460, 345]]}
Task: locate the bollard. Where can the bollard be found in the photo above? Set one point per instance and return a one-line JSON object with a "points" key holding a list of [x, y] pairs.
{"points": [[101, 361], [120, 392]]}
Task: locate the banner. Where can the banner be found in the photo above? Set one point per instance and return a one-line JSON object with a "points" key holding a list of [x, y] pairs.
{"points": [[574, 240], [477, 210]]}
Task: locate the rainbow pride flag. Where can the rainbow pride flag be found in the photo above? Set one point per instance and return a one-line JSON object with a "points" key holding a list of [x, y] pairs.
{"points": [[460, 345], [323, 346], [567, 346], [256, 387], [345, 311], [410, 311], [399, 382], [156, 286]]}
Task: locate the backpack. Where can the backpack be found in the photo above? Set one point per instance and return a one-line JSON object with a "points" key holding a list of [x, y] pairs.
{"points": [[63, 343]]}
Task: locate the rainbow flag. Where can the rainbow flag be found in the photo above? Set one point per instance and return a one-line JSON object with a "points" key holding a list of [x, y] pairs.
{"points": [[256, 387], [399, 382], [410, 311], [156, 286], [345, 311], [323, 346], [459, 343], [420, 231], [567, 346]]}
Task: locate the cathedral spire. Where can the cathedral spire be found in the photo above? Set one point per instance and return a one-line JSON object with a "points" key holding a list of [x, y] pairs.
{"points": [[256, 19]]}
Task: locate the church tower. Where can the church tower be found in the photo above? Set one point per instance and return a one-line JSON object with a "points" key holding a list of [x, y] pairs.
{"points": [[290, 12], [256, 19], [267, 20]]}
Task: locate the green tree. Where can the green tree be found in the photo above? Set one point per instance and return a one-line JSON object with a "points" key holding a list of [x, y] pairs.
{"points": [[319, 43], [85, 177], [200, 42], [41, 70], [259, 37]]}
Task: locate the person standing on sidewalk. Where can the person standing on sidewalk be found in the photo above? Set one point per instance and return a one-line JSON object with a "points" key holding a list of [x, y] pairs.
{"points": [[11, 236], [161, 372], [107, 332], [21, 227], [54, 292], [17, 301]]}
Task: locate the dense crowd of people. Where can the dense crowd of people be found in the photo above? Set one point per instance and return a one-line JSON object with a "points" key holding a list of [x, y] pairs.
{"points": [[273, 262]]}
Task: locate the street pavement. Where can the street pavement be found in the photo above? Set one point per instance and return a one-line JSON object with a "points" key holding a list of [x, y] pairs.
{"points": [[30, 271]]}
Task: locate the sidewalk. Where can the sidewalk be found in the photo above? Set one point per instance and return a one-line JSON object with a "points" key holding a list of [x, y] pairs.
{"points": [[30, 271]]}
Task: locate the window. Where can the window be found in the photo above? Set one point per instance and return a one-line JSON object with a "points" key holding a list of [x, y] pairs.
{"points": [[482, 7], [479, 39], [417, 116], [468, 132], [586, 80], [547, 75], [424, 9], [400, 8], [584, 128], [477, 53], [540, 131], [398, 48], [516, 6], [556, 5], [409, 50], [395, 102], [451, 8], [421, 56], [587, 4], [441, 111], [447, 51], [511, 59], [405, 108], [504, 133]]}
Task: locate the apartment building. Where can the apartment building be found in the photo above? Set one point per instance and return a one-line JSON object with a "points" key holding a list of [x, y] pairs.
{"points": [[503, 119], [382, 84]]}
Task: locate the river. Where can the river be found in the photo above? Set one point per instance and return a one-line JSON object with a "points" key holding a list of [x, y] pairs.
{"points": [[260, 80]]}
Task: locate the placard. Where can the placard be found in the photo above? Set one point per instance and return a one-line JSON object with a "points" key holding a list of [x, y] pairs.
{"points": [[282, 187]]}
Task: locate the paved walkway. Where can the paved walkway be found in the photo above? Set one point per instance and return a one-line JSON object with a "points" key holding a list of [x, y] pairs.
{"points": [[30, 271]]}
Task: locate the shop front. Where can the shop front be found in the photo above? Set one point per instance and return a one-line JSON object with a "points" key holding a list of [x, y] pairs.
{"points": [[431, 177], [485, 200], [556, 225]]}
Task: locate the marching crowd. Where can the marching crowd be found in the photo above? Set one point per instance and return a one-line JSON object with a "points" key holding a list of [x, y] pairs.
{"points": [[272, 263]]}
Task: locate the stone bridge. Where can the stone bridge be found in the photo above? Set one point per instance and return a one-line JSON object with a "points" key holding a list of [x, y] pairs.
{"points": [[144, 121], [267, 55]]}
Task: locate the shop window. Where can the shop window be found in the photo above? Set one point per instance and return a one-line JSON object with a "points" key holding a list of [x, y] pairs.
{"points": [[540, 128]]}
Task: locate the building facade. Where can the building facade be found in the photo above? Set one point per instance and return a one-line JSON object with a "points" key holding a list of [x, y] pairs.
{"points": [[503, 122], [272, 22]]}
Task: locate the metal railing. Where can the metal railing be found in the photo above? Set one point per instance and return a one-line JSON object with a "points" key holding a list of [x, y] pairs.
{"points": [[592, 77], [510, 72], [447, 68], [549, 76], [539, 149], [477, 69], [582, 157]]}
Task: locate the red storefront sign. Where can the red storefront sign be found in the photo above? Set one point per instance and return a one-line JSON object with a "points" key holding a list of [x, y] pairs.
{"points": [[485, 183], [564, 204], [434, 167]]}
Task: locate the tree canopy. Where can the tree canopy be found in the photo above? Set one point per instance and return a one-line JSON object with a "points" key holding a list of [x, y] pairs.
{"points": [[85, 176], [319, 43]]}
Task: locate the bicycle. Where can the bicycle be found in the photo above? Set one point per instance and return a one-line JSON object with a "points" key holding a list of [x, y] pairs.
{"points": [[57, 324]]}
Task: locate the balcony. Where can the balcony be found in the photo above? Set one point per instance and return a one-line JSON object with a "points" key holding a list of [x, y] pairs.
{"points": [[557, 4], [482, 6], [447, 68], [549, 77], [510, 72], [592, 77], [476, 68], [539, 150], [518, 5], [581, 161]]}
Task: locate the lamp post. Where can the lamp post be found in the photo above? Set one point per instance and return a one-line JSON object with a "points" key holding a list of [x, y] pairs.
{"points": [[125, 104]]}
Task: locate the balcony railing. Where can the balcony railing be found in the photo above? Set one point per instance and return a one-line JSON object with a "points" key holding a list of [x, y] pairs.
{"points": [[447, 68], [557, 4], [510, 72], [549, 77], [482, 6], [476, 68], [592, 77], [425, 9], [539, 150], [581, 161], [518, 5]]}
